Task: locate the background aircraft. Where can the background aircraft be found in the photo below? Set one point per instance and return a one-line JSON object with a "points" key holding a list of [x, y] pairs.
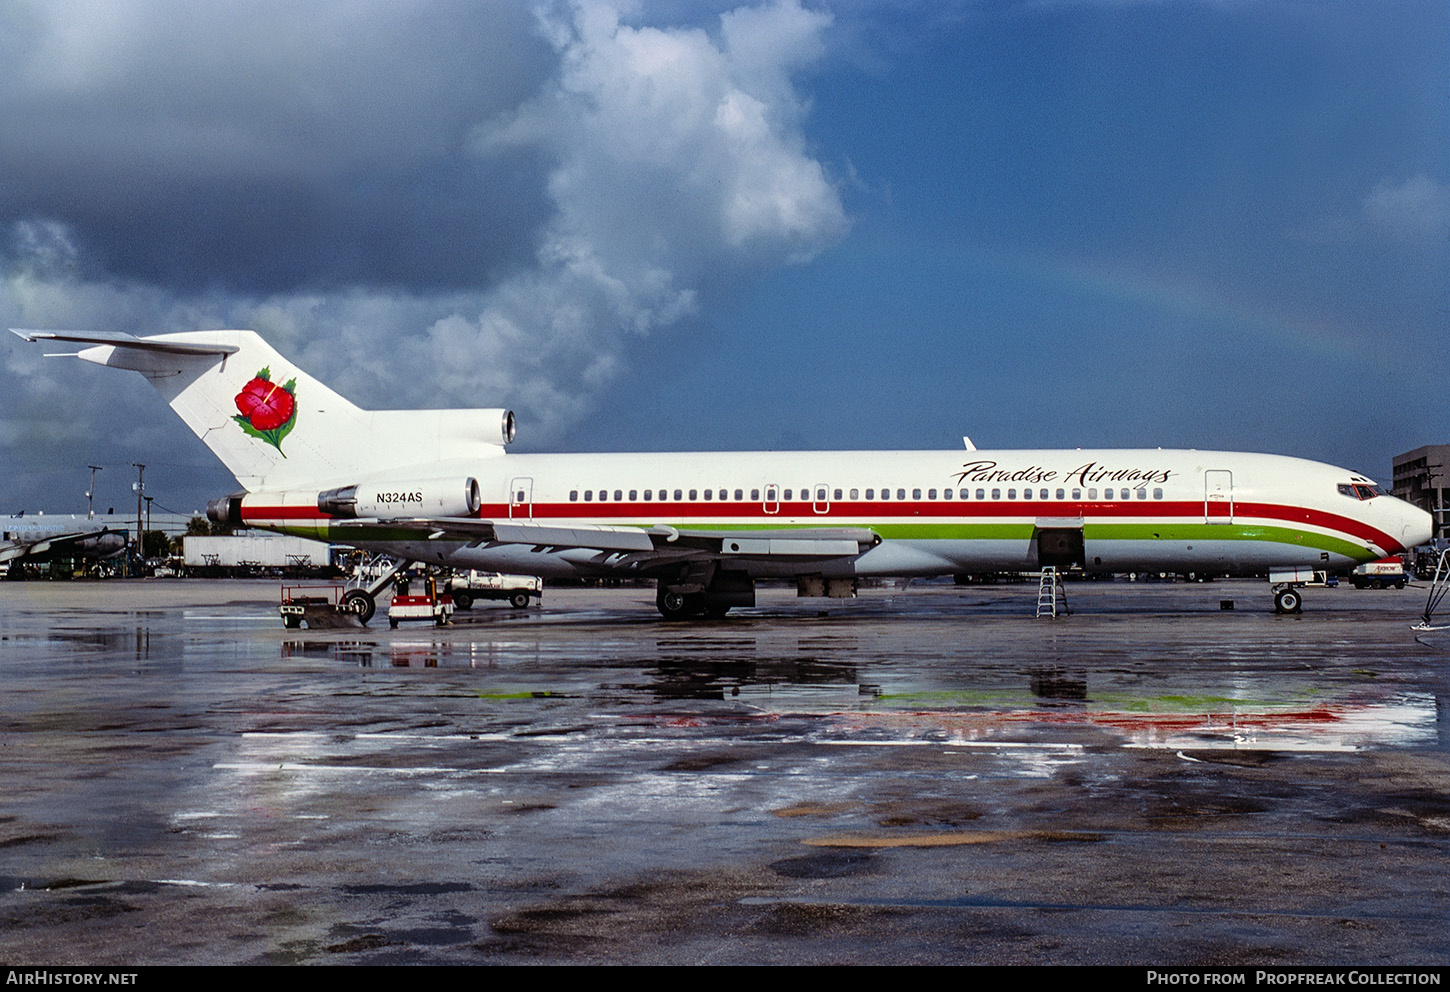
{"points": [[26, 539]]}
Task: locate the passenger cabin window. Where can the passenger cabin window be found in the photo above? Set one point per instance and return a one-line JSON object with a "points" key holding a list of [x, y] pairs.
{"points": [[1157, 494], [1092, 494], [1027, 494], [739, 495], [573, 495], [633, 495], [1142, 494], [901, 494], [982, 494], [787, 494], [618, 495], [870, 494], [679, 495], [1062, 495], [694, 494], [647, 495], [755, 494], [996, 494], [709, 491], [588, 495], [1107, 494], [931, 494]]}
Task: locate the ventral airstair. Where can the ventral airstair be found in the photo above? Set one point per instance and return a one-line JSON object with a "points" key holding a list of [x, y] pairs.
{"points": [[1051, 596]]}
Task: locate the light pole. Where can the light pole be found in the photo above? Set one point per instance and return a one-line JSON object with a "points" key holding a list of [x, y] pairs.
{"points": [[91, 494], [148, 520], [140, 490]]}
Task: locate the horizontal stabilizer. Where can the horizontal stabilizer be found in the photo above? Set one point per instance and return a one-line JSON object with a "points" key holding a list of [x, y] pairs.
{"points": [[118, 340]]}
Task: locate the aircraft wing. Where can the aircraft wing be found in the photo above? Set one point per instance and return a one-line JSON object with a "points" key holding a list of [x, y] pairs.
{"points": [[659, 542]]}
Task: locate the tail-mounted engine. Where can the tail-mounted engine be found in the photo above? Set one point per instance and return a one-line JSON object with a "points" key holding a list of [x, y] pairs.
{"points": [[300, 512], [403, 498]]}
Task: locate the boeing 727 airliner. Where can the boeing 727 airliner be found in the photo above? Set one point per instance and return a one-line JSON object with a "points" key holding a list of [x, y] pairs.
{"points": [[436, 486]]}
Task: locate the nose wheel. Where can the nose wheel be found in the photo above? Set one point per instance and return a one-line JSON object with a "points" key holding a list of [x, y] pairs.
{"points": [[1288, 600]]}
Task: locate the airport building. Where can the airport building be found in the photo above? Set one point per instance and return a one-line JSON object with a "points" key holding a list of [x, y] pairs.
{"points": [[1422, 477]]}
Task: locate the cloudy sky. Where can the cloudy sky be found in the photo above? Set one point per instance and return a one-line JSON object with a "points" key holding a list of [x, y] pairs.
{"points": [[679, 225]]}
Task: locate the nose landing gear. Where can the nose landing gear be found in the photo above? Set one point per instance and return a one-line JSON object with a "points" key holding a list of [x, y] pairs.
{"points": [[1287, 599]]}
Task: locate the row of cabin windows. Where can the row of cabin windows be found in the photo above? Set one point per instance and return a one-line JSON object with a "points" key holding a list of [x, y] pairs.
{"points": [[773, 495]]}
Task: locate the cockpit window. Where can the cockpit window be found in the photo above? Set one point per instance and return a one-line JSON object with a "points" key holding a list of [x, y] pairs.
{"points": [[1360, 491]]}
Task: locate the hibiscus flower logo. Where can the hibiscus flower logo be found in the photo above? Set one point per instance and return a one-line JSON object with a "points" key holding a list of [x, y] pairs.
{"points": [[268, 411]]}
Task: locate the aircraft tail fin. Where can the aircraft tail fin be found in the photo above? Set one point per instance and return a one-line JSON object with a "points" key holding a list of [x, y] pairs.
{"points": [[272, 424]]}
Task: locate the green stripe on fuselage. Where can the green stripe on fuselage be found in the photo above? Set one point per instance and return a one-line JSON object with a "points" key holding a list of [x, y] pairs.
{"points": [[1172, 533]]}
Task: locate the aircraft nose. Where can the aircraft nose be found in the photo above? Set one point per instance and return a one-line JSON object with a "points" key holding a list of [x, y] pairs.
{"points": [[1419, 526]]}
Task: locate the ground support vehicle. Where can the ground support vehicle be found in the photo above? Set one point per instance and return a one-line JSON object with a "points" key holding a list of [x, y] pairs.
{"points": [[1380, 574], [317, 607], [431, 605], [468, 587], [438, 609]]}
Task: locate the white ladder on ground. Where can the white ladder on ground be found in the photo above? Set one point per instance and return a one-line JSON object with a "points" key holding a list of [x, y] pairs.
{"points": [[1051, 596], [1439, 586]]}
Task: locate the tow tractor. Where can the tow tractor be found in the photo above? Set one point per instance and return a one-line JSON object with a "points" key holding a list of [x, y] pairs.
{"points": [[429, 606]]}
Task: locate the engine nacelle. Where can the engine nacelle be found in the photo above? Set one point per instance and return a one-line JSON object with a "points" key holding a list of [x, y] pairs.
{"points": [[403, 498]]}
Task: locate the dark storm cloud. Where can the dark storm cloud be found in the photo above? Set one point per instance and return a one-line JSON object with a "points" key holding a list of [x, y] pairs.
{"points": [[424, 204], [267, 146]]}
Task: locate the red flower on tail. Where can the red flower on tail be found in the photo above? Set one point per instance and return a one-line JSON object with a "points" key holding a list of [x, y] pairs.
{"points": [[265, 404], [267, 411]]}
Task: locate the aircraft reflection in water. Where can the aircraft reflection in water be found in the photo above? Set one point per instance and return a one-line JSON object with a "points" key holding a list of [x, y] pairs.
{"points": [[436, 486], [1280, 712]]}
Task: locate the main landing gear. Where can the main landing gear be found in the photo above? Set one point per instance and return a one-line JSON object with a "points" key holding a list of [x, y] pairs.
{"points": [[707, 595], [688, 606]]}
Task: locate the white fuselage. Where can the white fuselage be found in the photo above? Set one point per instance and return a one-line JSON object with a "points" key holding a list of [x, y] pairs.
{"points": [[936, 512]]}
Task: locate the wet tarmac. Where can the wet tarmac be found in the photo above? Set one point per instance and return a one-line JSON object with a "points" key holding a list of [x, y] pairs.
{"points": [[927, 775]]}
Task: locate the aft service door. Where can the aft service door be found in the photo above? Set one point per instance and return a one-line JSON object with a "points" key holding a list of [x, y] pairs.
{"points": [[1218, 496], [521, 499]]}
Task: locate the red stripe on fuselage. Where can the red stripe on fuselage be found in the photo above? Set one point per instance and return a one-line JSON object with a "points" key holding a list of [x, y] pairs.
{"points": [[703, 514]]}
